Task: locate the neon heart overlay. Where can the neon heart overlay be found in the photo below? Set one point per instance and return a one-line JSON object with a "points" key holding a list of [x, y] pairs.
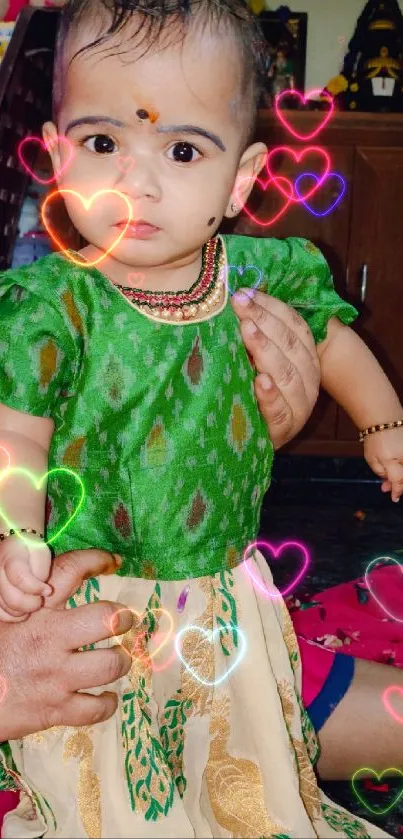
{"points": [[385, 699], [298, 156], [368, 584], [240, 269], [46, 147], [303, 99], [8, 456], [182, 599], [263, 184], [136, 277], [123, 163], [87, 203], [17, 470], [141, 635], [367, 769], [335, 202], [276, 552], [209, 634], [3, 688]]}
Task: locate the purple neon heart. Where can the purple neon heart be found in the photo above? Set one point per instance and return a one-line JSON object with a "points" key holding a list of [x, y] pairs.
{"points": [[316, 178], [240, 269]]}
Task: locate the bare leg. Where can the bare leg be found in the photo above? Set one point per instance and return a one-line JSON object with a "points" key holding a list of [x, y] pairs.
{"points": [[361, 732]]}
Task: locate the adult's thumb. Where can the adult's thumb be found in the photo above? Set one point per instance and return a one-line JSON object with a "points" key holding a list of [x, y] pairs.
{"points": [[71, 568]]}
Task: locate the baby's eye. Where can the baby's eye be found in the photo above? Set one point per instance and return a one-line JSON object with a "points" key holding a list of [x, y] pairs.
{"points": [[183, 153], [100, 144]]}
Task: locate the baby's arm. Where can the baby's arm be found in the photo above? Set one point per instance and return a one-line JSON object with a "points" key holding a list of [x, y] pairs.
{"points": [[24, 568], [352, 376]]}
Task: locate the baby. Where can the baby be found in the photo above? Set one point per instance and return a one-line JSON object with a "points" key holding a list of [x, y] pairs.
{"points": [[123, 368]]}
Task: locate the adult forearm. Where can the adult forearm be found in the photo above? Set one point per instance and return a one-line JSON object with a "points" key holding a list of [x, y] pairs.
{"points": [[351, 374]]}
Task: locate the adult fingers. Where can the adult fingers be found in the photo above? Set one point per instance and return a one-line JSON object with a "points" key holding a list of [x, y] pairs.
{"points": [[275, 410], [94, 668], [282, 364], [94, 622], [275, 317], [84, 709], [71, 568]]}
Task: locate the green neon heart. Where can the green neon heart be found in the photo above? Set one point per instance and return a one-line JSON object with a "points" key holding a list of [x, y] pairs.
{"points": [[378, 777], [16, 470]]}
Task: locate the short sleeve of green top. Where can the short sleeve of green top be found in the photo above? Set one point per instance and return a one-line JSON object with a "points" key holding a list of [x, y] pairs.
{"points": [[37, 352], [293, 270]]}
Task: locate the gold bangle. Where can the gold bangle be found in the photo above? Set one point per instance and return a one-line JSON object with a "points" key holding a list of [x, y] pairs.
{"points": [[373, 429], [13, 532]]}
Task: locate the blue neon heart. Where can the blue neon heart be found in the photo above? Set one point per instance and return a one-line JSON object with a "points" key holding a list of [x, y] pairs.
{"points": [[316, 178], [240, 269]]}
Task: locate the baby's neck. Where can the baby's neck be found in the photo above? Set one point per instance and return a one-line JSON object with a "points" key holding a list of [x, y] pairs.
{"points": [[179, 275]]}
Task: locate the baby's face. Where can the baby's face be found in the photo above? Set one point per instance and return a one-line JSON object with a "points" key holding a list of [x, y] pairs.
{"points": [[177, 165]]}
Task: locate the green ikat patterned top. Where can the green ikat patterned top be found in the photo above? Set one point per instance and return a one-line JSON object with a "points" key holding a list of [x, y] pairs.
{"points": [[159, 420]]}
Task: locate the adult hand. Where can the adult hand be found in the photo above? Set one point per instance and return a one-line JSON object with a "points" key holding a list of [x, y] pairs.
{"points": [[284, 354], [41, 669]]}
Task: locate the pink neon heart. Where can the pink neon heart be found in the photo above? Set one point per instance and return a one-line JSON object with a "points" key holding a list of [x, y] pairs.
{"points": [[303, 99], [46, 147], [135, 278], [276, 552], [388, 706], [125, 163], [368, 582], [298, 156], [264, 185]]}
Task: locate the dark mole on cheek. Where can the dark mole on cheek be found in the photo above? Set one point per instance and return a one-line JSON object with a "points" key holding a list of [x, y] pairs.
{"points": [[142, 114], [211, 221]]}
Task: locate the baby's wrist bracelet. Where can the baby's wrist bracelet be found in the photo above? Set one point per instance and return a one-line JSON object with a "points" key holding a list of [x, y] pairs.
{"points": [[13, 531], [373, 429]]}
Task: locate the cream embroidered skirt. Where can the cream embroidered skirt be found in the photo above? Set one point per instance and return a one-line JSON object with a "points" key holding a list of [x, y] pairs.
{"points": [[209, 739]]}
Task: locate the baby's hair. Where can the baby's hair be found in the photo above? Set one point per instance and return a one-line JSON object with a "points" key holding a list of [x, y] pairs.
{"points": [[154, 17]]}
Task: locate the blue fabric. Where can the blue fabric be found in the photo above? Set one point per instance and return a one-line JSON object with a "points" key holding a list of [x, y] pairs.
{"points": [[29, 250], [334, 688]]}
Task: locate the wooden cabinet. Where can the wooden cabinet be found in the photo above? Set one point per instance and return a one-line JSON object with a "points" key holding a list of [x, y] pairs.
{"points": [[362, 239]]}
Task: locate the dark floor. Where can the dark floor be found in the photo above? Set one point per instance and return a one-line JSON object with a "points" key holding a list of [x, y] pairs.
{"points": [[315, 501]]}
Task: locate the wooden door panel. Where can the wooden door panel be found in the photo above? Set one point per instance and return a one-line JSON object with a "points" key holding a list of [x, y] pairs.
{"points": [[330, 233], [376, 241]]}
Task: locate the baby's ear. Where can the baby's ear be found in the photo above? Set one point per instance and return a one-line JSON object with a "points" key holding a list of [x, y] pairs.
{"points": [[250, 164], [50, 138]]}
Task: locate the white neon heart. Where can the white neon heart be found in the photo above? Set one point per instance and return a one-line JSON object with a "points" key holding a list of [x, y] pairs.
{"points": [[209, 634]]}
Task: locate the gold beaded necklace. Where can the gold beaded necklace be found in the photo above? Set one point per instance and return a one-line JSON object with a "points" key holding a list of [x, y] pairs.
{"points": [[203, 295]]}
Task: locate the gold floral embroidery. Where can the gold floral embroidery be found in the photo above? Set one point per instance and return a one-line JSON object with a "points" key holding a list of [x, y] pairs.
{"points": [[287, 698], [307, 781], [235, 785], [290, 638], [81, 746]]}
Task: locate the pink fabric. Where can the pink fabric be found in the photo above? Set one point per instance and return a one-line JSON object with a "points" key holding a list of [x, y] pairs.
{"points": [[8, 801], [348, 619]]}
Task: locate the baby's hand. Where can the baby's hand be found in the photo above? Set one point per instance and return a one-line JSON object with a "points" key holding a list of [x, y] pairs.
{"points": [[383, 452], [24, 570]]}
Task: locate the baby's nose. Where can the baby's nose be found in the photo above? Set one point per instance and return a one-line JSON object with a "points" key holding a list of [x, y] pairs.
{"points": [[136, 178]]}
